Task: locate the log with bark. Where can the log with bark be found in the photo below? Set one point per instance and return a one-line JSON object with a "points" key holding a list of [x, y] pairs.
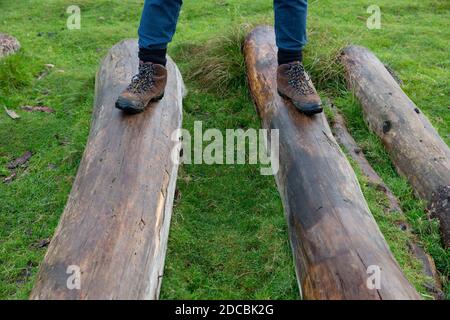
{"points": [[8, 45], [344, 138], [111, 240], [414, 146], [334, 237]]}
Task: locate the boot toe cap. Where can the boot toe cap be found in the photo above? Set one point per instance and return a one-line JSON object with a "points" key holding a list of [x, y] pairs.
{"points": [[128, 105], [309, 108]]}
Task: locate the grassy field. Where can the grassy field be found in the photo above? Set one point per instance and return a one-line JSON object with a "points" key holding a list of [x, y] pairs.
{"points": [[228, 237]]}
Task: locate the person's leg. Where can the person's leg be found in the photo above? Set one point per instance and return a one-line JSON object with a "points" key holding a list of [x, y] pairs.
{"points": [[290, 29], [157, 27], [292, 80]]}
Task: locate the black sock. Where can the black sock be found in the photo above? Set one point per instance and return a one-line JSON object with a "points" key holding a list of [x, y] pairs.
{"points": [[288, 56], [157, 56]]}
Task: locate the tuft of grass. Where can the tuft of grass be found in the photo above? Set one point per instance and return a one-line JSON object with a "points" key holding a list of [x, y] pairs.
{"points": [[324, 67], [17, 71], [218, 65]]}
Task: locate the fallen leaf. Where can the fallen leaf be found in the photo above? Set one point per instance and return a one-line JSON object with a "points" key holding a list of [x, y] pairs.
{"points": [[12, 113], [20, 161], [42, 243], [10, 178], [45, 72], [42, 74], [38, 108]]}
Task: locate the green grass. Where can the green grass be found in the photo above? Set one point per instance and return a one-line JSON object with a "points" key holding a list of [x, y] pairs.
{"points": [[228, 236]]}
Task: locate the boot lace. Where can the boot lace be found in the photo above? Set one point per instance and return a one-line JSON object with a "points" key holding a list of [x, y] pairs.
{"points": [[144, 80], [299, 80]]}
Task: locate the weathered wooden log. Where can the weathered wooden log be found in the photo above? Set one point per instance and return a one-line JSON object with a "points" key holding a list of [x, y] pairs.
{"points": [[8, 45], [415, 148], [344, 138], [334, 238], [115, 226]]}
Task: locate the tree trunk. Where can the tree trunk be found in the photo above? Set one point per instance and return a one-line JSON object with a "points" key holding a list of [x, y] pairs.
{"points": [[334, 238], [116, 222], [415, 148]]}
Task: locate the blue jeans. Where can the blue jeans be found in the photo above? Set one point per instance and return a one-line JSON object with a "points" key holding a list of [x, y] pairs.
{"points": [[159, 20]]}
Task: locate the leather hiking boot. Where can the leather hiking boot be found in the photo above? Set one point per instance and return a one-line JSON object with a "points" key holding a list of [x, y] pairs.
{"points": [[145, 87], [294, 83]]}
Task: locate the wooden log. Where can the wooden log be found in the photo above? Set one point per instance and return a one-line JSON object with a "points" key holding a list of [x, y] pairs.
{"points": [[344, 138], [8, 45], [414, 146], [333, 236], [116, 222]]}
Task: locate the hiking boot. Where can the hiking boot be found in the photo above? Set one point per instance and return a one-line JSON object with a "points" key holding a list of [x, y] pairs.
{"points": [[145, 87], [294, 83]]}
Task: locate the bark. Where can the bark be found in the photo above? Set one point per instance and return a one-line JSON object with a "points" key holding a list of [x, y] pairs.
{"points": [[415, 148]]}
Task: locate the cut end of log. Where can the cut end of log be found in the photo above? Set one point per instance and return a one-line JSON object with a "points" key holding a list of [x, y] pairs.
{"points": [[8, 45]]}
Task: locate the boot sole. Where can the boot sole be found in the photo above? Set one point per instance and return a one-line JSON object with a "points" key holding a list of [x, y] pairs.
{"points": [[309, 111], [130, 108]]}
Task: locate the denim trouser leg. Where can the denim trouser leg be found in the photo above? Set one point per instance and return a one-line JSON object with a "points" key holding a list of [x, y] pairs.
{"points": [[290, 24], [158, 23], [159, 20]]}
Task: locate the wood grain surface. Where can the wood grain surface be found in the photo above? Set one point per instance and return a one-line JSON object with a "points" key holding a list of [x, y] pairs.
{"points": [[116, 222]]}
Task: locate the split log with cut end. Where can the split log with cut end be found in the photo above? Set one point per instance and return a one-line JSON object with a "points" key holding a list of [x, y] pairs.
{"points": [[415, 147], [333, 235], [115, 226]]}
